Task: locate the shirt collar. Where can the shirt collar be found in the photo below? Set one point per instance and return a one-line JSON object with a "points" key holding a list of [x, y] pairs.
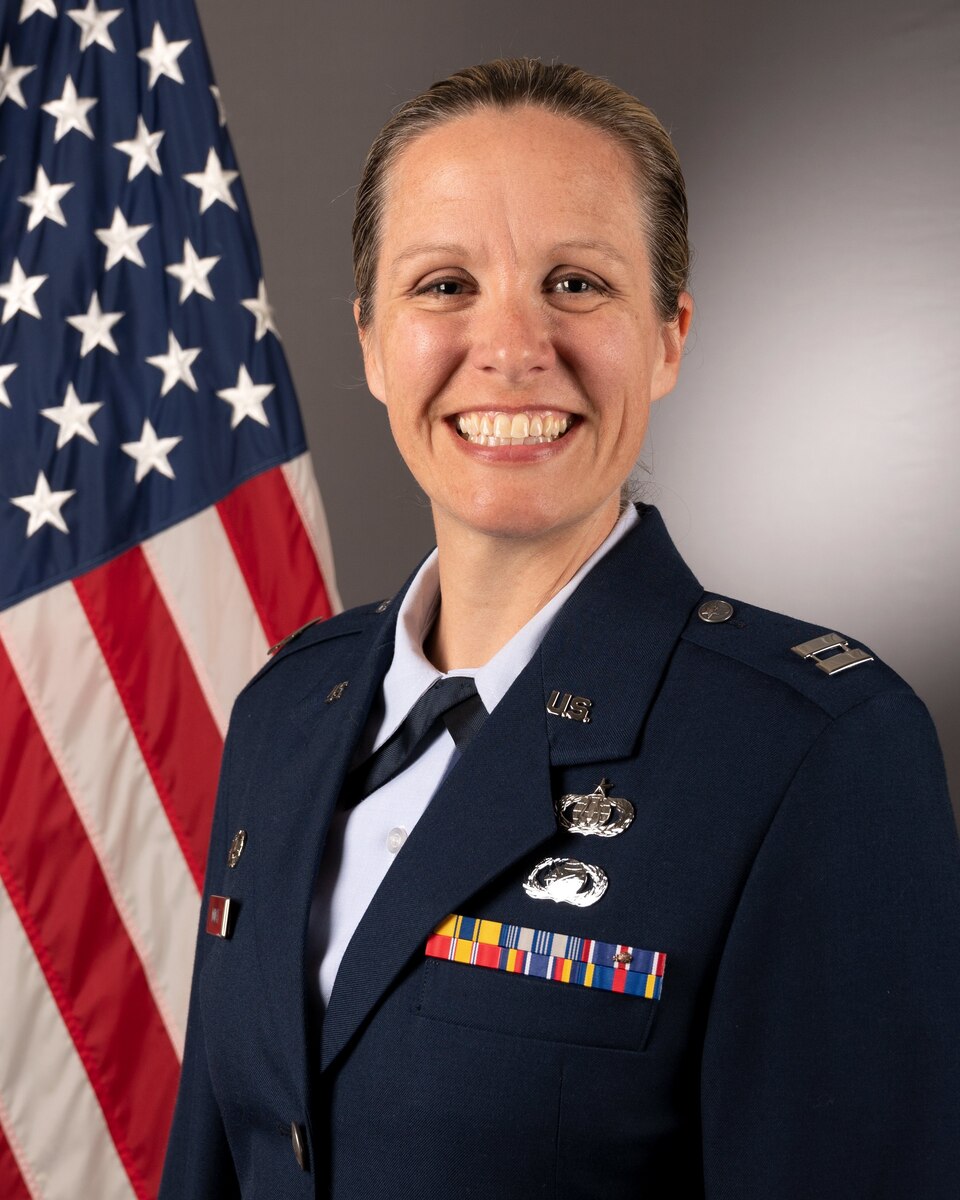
{"points": [[411, 673]]}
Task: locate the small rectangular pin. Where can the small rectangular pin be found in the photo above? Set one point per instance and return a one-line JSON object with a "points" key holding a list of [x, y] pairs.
{"points": [[820, 645], [218, 916], [840, 662], [847, 657]]}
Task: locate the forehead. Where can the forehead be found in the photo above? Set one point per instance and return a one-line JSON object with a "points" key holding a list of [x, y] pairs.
{"points": [[525, 168]]}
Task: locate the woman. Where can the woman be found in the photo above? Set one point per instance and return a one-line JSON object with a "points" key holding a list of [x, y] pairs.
{"points": [[666, 901]]}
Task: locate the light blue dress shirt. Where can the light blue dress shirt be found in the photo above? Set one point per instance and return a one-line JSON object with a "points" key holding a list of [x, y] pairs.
{"points": [[364, 841]]}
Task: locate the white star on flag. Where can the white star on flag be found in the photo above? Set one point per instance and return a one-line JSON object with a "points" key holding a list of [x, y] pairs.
{"points": [[218, 100], [94, 25], [122, 240], [73, 418], [6, 370], [142, 148], [162, 56], [213, 182], [95, 326], [193, 272], [44, 200], [29, 7], [261, 308], [70, 110], [19, 293], [11, 78], [44, 506], [175, 365], [246, 399], [151, 453]]}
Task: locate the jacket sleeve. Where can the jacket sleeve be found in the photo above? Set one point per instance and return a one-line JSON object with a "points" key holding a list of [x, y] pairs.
{"points": [[198, 1163], [831, 1064]]}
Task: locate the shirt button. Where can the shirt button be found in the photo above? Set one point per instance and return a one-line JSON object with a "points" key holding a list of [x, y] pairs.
{"points": [[395, 838]]}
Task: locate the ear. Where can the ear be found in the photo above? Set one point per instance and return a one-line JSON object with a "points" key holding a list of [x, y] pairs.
{"points": [[673, 336], [370, 349]]}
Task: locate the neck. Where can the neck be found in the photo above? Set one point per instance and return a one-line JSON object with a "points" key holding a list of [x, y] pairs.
{"points": [[491, 586]]}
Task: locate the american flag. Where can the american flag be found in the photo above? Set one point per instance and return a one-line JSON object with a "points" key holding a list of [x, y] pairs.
{"points": [[160, 527]]}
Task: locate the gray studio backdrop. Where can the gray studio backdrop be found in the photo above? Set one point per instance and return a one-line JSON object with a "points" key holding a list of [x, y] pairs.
{"points": [[806, 461]]}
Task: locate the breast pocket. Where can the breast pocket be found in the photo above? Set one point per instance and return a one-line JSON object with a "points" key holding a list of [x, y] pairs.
{"points": [[546, 986]]}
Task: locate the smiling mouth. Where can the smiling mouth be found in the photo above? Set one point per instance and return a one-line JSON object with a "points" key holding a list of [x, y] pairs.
{"points": [[512, 429]]}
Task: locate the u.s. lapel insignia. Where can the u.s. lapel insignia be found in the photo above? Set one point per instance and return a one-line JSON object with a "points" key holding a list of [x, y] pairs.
{"points": [[595, 814], [566, 881], [574, 708]]}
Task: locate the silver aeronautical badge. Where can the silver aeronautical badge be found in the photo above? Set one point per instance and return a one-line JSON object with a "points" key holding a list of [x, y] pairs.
{"points": [[566, 881], [596, 813]]}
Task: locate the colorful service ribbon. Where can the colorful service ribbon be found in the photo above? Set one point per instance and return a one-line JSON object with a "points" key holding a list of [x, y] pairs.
{"points": [[610, 966]]}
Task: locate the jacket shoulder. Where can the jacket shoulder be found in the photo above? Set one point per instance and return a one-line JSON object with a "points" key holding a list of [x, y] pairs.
{"points": [[833, 670], [321, 630]]}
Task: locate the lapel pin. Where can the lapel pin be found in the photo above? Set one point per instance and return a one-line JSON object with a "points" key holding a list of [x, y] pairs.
{"points": [[566, 881], [595, 813], [574, 708], [218, 916], [236, 847], [337, 691]]}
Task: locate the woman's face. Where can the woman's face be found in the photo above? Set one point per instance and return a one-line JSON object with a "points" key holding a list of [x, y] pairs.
{"points": [[514, 338]]}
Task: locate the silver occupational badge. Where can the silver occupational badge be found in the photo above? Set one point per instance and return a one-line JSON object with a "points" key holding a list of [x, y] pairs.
{"points": [[596, 813], [566, 881]]}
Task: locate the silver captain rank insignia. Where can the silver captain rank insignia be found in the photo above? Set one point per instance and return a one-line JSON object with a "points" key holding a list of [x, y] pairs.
{"points": [[566, 881], [595, 814]]}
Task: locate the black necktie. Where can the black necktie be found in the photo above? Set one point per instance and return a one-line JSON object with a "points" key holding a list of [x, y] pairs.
{"points": [[453, 702]]}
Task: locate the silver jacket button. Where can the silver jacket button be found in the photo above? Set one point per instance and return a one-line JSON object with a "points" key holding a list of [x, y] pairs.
{"points": [[299, 1145], [715, 611]]}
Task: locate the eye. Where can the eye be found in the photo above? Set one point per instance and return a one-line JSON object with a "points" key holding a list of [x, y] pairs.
{"points": [[442, 287], [574, 286]]}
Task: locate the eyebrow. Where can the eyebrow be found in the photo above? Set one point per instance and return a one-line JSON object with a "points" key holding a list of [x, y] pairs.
{"points": [[601, 247], [455, 250], [449, 248]]}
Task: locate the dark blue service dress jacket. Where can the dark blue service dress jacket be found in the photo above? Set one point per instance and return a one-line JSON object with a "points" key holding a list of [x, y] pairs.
{"points": [[792, 865]]}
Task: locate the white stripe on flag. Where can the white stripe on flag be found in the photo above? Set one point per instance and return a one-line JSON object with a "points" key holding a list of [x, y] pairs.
{"points": [[51, 1115], [211, 607], [75, 703], [302, 483]]}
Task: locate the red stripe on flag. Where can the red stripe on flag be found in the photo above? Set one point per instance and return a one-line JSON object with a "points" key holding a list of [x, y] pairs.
{"points": [[168, 713], [274, 554], [12, 1186], [56, 885]]}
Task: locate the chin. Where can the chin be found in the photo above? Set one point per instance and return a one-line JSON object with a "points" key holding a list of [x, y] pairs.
{"points": [[518, 517]]}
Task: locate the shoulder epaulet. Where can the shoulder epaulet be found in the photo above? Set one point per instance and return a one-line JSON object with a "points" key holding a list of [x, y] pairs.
{"points": [[285, 641], [320, 629], [831, 669]]}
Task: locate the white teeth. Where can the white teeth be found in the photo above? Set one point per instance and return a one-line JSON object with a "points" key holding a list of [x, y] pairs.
{"points": [[517, 429], [519, 426]]}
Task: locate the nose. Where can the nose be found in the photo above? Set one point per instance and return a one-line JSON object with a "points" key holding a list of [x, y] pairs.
{"points": [[513, 338]]}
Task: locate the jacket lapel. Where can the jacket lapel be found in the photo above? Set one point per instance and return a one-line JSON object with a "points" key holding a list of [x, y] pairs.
{"points": [[612, 641], [479, 822], [308, 760], [611, 644]]}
